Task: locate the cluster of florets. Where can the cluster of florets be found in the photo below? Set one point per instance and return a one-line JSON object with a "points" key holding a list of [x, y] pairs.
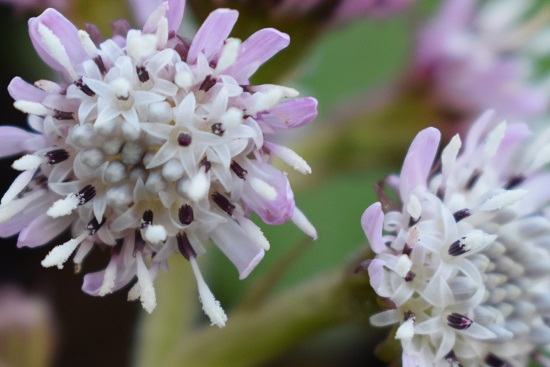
{"points": [[473, 57], [152, 145], [463, 258]]}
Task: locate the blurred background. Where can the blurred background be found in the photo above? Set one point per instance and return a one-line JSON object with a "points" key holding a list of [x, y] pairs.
{"points": [[353, 68]]}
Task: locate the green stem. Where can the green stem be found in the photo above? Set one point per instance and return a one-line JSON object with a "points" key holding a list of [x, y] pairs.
{"points": [[255, 336]]}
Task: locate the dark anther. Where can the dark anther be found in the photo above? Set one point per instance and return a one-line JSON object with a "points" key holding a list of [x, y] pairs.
{"points": [[457, 248], [142, 73], [223, 203], [217, 128], [94, 226], [413, 221], [139, 243], [171, 34], [63, 115], [185, 214], [184, 139], [458, 321], [239, 171], [206, 164], [363, 266], [94, 33], [147, 218], [57, 156], [409, 315], [99, 62], [208, 83], [514, 181], [461, 214], [473, 179], [494, 361], [247, 88], [84, 88], [440, 193], [451, 359], [182, 47], [185, 246], [407, 250], [410, 276], [86, 194]]}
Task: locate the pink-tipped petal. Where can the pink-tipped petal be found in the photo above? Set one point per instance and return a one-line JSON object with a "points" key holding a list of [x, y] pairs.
{"points": [[212, 34], [237, 246], [293, 113], [21, 90], [64, 30], [42, 230], [419, 161], [373, 222], [256, 50], [12, 139], [267, 191], [175, 14]]}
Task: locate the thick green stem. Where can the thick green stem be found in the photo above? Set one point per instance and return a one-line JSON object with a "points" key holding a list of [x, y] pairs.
{"points": [[255, 336]]}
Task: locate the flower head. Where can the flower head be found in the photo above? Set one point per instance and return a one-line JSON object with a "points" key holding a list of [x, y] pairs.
{"points": [[151, 145], [477, 57], [463, 258]]}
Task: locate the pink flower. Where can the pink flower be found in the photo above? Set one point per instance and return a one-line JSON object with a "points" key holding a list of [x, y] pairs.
{"points": [[152, 145], [463, 255]]}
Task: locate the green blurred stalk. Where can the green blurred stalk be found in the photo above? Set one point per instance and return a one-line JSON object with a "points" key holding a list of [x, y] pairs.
{"points": [[160, 332], [253, 336]]}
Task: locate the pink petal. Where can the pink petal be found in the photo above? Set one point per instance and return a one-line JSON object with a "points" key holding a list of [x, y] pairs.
{"points": [[12, 139], [373, 222], [175, 14], [376, 277], [21, 90], [212, 34], [256, 50], [42, 230], [277, 211], [93, 281], [294, 113], [419, 161], [64, 30], [237, 246]]}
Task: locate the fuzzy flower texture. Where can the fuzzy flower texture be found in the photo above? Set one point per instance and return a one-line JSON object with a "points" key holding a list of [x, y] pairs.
{"points": [[152, 145], [463, 260]]}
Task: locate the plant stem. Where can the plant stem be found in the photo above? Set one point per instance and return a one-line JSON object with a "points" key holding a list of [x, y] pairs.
{"points": [[255, 336]]}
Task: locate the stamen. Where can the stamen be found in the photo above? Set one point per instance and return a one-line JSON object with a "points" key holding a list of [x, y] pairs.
{"points": [[185, 246], [147, 219], [57, 156], [223, 203], [185, 214], [410, 276], [494, 361], [239, 171], [63, 115], [94, 226], [472, 180], [142, 73], [461, 214], [452, 360], [206, 164], [217, 129], [208, 83], [84, 88], [86, 194], [514, 181], [458, 321]]}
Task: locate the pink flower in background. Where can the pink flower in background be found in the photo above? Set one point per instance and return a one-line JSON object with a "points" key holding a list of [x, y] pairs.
{"points": [[463, 257], [152, 145], [474, 57]]}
